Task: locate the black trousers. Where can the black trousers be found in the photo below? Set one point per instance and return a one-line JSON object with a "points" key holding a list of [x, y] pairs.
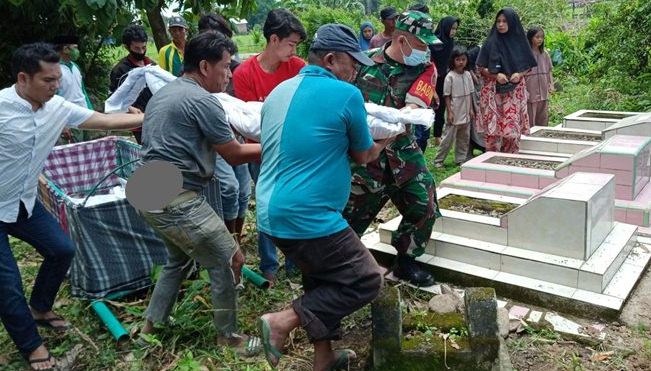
{"points": [[339, 276]]}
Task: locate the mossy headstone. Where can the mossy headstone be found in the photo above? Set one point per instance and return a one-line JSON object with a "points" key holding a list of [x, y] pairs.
{"points": [[387, 327], [481, 316]]}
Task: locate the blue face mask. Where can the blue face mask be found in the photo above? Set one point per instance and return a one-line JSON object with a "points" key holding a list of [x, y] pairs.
{"points": [[416, 57]]}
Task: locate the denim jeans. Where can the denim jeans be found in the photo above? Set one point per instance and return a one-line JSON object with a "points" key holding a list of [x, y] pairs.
{"points": [[43, 232], [235, 188], [193, 231], [266, 249], [422, 135]]}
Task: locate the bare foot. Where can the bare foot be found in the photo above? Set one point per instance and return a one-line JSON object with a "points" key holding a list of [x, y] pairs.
{"points": [[148, 328], [40, 359]]}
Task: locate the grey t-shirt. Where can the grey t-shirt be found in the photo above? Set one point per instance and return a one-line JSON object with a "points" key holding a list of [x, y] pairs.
{"points": [[182, 122]]}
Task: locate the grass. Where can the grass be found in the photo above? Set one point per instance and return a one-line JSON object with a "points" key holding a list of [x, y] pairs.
{"points": [[190, 343], [246, 44]]}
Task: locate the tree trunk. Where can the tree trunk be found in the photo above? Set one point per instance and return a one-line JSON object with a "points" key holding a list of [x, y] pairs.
{"points": [[157, 25]]}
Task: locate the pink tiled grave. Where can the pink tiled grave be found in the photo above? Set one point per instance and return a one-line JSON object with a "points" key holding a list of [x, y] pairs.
{"points": [[595, 120], [625, 156], [628, 158], [559, 140], [487, 168], [562, 241]]}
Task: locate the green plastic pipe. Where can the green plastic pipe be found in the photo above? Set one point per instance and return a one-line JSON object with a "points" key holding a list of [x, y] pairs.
{"points": [[112, 323], [256, 279]]}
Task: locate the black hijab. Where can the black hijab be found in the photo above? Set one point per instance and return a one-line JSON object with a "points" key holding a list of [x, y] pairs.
{"points": [[509, 52], [441, 52]]}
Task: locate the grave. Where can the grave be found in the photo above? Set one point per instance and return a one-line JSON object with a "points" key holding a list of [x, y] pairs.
{"points": [[422, 340], [561, 246], [639, 125], [558, 141], [628, 158], [594, 119]]}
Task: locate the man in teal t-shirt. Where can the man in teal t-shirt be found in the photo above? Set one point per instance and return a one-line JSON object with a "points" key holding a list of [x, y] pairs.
{"points": [[303, 188]]}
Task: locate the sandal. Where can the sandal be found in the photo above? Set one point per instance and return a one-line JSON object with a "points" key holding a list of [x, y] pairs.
{"points": [[49, 358], [270, 352], [47, 323], [246, 346], [342, 359]]}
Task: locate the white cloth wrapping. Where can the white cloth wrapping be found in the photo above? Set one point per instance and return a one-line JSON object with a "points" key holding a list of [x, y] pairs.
{"points": [[126, 94], [244, 117]]}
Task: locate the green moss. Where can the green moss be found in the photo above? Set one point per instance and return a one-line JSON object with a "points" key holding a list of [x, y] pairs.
{"points": [[388, 296], [434, 344], [453, 202], [480, 293], [428, 320]]}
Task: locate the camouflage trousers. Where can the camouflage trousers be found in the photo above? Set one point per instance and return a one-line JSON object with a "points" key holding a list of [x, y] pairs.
{"points": [[415, 200]]}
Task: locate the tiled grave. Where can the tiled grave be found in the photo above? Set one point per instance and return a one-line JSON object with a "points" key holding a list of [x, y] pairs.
{"points": [[562, 242], [562, 141], [626, 157], [595, 120], [639, 125]]}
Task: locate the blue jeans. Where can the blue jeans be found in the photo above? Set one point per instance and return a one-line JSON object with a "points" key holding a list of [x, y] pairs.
{"points": [[422, 135], [235, 188], [266, 249], [43, 232]]}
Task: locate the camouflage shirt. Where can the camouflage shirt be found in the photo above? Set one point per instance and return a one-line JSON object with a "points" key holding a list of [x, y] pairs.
{"points": [[393, 84]]}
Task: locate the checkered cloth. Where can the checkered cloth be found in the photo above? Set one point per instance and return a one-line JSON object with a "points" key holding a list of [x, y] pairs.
{"points": [[116, 249]]}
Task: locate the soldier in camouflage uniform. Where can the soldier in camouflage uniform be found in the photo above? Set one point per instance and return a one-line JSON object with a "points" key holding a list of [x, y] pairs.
{"points": [[402, 76]]}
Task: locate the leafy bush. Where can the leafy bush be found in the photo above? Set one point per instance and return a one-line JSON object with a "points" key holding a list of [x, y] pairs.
{"points": [[313, 17]]}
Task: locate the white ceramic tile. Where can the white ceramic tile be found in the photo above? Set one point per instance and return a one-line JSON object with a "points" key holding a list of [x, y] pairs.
{"points": [[564, 325], [573, 147], [534, 284], [465, 268], [535, 144], [543, 258], [601, 300], [639, 255], [612, 251], [539, 226], [623, 282], [468, 255], [479, 231], [546, 154], [542, 271], [591, 281], [535, 316]]}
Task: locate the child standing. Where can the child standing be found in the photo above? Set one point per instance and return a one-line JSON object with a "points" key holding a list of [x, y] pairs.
{"points": [[458, 89], [539, 79]]}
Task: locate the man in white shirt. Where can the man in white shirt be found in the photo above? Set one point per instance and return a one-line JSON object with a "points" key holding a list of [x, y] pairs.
{"points": [[31, 120], [71, 86]]}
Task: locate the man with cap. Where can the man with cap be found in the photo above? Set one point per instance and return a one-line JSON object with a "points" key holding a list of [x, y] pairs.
{"points": [[72, 86], [303, 187], [170, 56], [402, 77], [388, 17]]}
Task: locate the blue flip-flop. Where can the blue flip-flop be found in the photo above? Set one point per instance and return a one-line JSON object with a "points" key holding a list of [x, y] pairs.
{"points": [[270, 352]]}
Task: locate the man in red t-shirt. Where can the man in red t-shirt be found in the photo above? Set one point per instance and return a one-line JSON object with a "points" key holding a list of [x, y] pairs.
{"points": [[255, 78], [259, 75]]}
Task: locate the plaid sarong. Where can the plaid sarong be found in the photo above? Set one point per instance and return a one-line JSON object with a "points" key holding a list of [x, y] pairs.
{"points": [[116, 249]]}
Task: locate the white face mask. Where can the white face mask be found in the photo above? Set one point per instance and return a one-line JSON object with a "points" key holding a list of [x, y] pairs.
{"points": [[416, 57]]}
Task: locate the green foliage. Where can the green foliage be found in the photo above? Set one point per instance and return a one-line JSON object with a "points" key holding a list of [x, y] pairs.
{"points": [[313, 17]]}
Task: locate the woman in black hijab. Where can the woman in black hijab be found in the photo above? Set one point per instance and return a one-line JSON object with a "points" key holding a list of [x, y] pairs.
{"points": [[445, 31], [503, 60]]}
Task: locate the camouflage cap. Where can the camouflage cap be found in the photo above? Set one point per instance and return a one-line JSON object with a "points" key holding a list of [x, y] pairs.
{"points": [[419, 24]]}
